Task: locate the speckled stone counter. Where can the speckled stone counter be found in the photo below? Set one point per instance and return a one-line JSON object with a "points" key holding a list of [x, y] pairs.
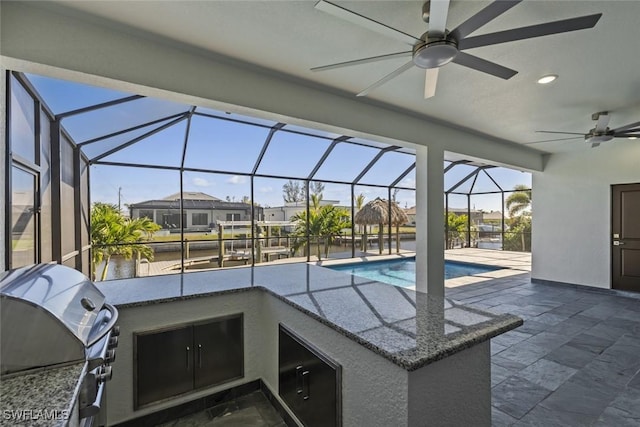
{"points": [[41, 398], [411, 329]]}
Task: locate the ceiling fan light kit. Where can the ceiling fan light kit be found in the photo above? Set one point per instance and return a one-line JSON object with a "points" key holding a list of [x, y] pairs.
{"points": [[438, 46], [434, 52]]}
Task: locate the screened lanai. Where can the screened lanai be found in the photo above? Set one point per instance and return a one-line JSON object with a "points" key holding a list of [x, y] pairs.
{"points": [[220, 189]]}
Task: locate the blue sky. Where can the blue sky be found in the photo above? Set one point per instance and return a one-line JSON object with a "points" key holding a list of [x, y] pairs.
{"points": [[227, 146]]}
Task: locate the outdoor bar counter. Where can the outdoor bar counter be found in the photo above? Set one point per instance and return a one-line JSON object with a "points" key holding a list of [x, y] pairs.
{"points": [[407, 358]]}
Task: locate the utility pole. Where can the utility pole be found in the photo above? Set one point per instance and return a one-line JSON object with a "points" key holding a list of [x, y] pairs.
{"points": [[119, 198]]}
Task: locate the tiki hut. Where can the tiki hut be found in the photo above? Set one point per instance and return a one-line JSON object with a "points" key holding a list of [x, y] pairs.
{"points": [[376, 212]]}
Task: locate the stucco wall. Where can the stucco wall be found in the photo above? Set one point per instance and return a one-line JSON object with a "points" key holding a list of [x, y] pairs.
{"points": [[572, 212]]}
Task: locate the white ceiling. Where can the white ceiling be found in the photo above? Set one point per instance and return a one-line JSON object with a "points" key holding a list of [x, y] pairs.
{"points": [[599, 68]]}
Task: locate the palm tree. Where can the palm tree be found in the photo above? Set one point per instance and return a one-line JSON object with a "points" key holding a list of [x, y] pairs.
{"points": [[324, 223], [113, 234], [519, 201], [519, 205], [359, 205]]}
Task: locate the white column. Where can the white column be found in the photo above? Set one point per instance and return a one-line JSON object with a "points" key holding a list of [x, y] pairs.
{"points": [[430, 220]]}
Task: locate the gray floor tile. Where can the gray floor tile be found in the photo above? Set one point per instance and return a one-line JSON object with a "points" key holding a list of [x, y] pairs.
{"points": [[517, 396], [499, 374], [590, 343], [578, 398], [525, 353], [573, 325], [532, 327], [247, 417], [496, 348], [547, 374], [548, 340], [635, 381], [510, 338], [550, 318], [570, 356], [615, 417], [628, 402], [543, 417], [507, 363], [500, 419]]}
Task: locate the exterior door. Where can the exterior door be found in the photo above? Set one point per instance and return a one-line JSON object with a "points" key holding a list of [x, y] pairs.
{"points": [[625, 229], [24, 217]]}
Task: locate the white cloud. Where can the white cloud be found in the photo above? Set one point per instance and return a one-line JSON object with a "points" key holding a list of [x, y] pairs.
{"points": [[266, 189], [201, 182], [237, 179], [408, 182]]}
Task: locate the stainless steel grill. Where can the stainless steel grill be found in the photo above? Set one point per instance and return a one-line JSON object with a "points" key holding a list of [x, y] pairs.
{"points": [[52, 315]]}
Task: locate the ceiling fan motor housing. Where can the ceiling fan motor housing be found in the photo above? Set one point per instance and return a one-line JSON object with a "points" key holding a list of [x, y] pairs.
{"points": [[434, 52]]}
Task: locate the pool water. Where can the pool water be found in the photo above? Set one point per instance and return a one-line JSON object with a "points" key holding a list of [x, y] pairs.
{"points": [[402, 272]]}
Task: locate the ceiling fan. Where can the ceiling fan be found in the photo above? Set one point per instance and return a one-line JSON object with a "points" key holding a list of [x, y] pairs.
{"points": [[600, 133], [439, 46]]}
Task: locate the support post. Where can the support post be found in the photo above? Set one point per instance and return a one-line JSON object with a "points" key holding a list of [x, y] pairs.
{"points": [[220, 246], [430, 220]]}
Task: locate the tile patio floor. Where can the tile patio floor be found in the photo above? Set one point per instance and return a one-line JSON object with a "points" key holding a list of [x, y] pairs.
{"points": [[574, 362]]}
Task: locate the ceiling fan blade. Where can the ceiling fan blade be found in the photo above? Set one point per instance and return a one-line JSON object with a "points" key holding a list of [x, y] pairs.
{"points": [[362, 61], [363, 21], [564, 133], [483, 65], [483, 17], [635, 134], [386, 78], [550, 140], [438, 11], [627, 128], [430, 82], [556, 27], [602, 121]]}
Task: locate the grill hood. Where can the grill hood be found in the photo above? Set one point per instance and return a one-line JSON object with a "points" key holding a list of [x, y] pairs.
{"points": [[49, 315]]}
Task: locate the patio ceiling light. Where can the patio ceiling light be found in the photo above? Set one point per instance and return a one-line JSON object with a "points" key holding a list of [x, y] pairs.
{"points": [[547, 79]]}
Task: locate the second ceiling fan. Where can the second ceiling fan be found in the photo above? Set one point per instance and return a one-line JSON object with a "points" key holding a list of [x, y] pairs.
{"points": [[439, 46]]}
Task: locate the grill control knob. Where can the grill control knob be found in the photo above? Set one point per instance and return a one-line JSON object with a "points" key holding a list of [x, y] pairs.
{"points": [[115, 331], [104, 373], [113, 342], [110, 357]]}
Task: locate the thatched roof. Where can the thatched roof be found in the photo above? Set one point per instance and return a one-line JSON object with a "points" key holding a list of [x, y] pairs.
{"points": [[377, 212]]}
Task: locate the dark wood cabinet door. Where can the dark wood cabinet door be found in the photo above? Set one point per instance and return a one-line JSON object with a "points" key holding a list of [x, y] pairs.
{"points": [[164, 364], [219, 351]]}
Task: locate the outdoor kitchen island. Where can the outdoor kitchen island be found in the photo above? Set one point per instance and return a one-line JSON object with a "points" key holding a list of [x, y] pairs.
{"points": [[402, 358]]}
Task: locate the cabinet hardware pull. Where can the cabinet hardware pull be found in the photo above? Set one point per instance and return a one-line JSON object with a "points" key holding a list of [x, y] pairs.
{"points": [[188, 357], [299, 369], [305, 385], [199, 355]]}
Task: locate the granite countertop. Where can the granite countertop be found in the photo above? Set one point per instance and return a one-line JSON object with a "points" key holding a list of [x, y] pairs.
{"points": [[43, 397], [411, 329]]}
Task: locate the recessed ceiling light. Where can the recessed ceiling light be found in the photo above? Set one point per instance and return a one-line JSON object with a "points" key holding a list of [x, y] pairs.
{"points": [[547, 79], [633, 137]]}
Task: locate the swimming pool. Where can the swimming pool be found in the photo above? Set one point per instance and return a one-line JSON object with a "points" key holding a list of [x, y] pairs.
{"points": [[402, 272]]}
